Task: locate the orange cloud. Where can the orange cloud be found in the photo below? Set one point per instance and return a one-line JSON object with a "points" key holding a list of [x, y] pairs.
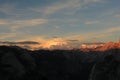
{"points": [[54, 42]]}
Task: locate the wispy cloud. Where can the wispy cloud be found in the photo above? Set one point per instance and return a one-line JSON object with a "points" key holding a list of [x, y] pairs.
{"points": [[7, 8], [57, 7], [40, 39], [65, 6], [71, 4], [14, 26], [92, 22], [4, 36], [32, 22], [4, 22], [117, 15], [82, 37], [11, 10], [73, 12], [23, 23], [111, 30], [95, 35]]}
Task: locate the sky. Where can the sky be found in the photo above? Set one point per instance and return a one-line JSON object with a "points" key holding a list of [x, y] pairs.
{"points": [[68, 20]]}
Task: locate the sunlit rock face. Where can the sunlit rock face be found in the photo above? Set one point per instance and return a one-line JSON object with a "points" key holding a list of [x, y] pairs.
{"points": [[109, 45]]}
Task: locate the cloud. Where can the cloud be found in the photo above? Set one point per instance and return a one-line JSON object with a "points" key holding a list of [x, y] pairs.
{"points": [[63, 5], [70, 39], [40, 39], [117, 15], [4, 36], [106, 32], [16, 24], [24, 23], [45, 42], [3, 22], [56, 7], [32, 22], [92, 22], [68, 6], [53, 43], [73, 40], [92, 1], [11, 10], [111, 30], [7, 8], [95, 35]]}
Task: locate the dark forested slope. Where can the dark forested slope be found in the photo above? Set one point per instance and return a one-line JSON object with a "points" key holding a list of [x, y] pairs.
{"points": [[20, 64]]}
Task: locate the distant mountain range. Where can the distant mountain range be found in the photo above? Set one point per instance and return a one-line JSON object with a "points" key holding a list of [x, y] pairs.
{"points": [[32, 45], [109, 45]]}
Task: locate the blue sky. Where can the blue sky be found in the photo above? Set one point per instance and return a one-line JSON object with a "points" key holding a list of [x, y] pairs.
{"points": [[40, 20]]}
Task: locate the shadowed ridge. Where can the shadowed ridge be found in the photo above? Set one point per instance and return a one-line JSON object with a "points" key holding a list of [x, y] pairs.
{"points": [[16, 62], [21, 64], [108, 68]]}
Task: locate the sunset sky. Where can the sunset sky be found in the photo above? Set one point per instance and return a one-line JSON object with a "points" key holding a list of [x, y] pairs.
{"points": [[69, 20]]}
